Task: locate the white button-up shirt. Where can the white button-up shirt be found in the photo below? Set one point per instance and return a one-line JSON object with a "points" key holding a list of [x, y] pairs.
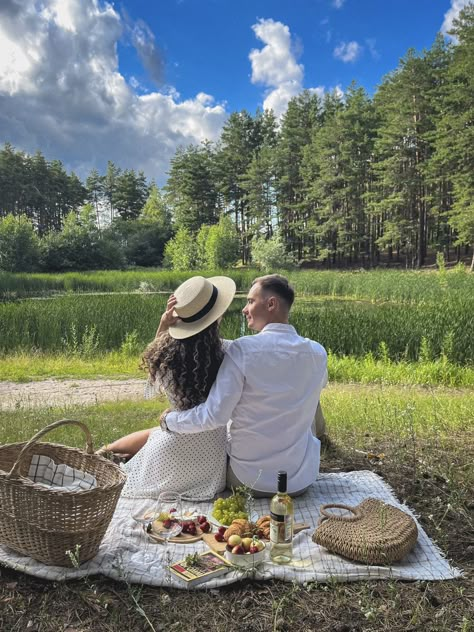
{"points": [[268, 386]]}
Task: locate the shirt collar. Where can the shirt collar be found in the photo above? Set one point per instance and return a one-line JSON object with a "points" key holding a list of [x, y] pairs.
{"points": [[282, 327]]}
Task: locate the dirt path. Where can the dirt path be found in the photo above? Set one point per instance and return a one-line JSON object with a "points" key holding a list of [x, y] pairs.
{"points": [[59, 392], [52, 392]]}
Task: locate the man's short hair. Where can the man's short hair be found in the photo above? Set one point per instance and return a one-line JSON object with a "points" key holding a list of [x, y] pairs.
{"points": [[277, 284]]}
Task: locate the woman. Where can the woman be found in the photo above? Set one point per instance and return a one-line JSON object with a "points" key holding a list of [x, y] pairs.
{"points": [[183, 362]]}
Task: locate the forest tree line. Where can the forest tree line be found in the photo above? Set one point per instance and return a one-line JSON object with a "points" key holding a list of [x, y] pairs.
{"points": [[343, 181]]}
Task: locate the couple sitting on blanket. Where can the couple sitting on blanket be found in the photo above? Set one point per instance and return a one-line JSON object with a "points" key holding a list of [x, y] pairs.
{"points": [[242, 410]]}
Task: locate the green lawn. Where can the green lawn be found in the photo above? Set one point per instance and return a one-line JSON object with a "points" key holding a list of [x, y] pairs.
{"points": [[23, 367]]}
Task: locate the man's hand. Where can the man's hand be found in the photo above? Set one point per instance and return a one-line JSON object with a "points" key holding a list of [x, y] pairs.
{"points": [[169, 316], [163, 425]]}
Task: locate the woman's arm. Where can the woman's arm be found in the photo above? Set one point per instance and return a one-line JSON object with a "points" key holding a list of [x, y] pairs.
{"points": [[169, 316], [130, 444]]}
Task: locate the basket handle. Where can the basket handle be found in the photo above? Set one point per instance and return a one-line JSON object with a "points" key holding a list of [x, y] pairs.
{"points": [[56, 424], [326, 514]]}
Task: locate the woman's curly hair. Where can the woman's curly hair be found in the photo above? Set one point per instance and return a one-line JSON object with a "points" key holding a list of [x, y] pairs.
{"points": [[185, 369]]}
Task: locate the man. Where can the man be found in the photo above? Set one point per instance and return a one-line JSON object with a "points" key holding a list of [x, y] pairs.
{"points": [[268, 386]]}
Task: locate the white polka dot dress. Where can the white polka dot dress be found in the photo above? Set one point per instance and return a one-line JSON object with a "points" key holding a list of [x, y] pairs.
{"points": [[193, 464]]}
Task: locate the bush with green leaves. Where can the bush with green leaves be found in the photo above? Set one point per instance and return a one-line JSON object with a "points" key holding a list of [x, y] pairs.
{"points": [[218, 245], [19, 244], [80, 245], [142, 241], [270, 254], [181, 251]]}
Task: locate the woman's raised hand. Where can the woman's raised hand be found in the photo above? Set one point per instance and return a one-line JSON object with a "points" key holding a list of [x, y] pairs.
{"points": [[169, 316]]}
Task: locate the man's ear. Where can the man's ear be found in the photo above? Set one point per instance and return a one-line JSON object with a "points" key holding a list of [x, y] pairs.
{"points": [[272, 304]]}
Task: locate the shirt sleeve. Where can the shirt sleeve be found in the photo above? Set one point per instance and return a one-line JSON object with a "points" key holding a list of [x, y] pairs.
{"points": [[217, 409], [325, 381]]}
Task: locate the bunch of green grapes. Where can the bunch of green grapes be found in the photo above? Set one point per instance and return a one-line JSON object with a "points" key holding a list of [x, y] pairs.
{"points": [[228, 509]]}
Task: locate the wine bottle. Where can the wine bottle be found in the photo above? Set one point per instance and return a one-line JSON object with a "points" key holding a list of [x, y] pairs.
{"points": [[281, 523]]}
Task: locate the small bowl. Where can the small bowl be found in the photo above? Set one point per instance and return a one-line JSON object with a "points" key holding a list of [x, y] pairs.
{"points": [[246, 560]]}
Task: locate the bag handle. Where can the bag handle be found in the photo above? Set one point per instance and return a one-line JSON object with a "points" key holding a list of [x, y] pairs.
{"points": [[326, 515], [56, 424]]}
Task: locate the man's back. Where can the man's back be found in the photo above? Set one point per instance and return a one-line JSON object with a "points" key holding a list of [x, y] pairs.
{"points": [[271, 423]]}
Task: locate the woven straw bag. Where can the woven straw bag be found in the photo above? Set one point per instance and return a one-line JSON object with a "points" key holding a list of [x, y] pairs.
{"points": [[375, 533], [45, 523]]}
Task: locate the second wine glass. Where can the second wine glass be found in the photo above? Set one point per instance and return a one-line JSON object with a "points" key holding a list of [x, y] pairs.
{"points": [[168, 518]]}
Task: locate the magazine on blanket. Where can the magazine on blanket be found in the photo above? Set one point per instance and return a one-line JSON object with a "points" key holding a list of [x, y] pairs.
{"points": [[198, 568]]}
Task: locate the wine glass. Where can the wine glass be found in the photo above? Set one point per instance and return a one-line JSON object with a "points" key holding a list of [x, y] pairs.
{"points": [[168, 520], [143, 512], [168, 516]]}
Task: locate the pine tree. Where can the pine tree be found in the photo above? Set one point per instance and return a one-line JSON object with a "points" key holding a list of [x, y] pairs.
{"points": [[192, 187], [403, 149], [455, 142], [131, 192], [298, 123], [156, 209], [240, 138]]}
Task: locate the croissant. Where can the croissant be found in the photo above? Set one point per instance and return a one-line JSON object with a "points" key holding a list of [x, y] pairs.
{"points": [[266, 531], [240, 527], [262, 520]]}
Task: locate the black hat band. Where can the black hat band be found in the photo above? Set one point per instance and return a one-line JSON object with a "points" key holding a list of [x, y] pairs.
{"points": [[205, 310]]}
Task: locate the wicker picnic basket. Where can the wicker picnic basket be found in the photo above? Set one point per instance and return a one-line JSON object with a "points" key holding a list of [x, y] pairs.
{"points": [[375, 533], [43, 523]]}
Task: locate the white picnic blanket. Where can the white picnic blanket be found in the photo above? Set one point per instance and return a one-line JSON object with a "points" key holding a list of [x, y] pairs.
{"points": [[127, 554]]}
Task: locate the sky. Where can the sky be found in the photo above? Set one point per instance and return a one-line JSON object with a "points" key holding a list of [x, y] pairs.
{"points": [[87, 81]]}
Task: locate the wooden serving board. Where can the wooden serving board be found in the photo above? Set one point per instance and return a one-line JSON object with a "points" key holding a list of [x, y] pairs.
{"points": [[219, 547], [182, 538]]}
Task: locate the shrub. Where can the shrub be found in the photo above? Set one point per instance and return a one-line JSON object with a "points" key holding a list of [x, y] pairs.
{"points": [[270, 254], [19, 245]]}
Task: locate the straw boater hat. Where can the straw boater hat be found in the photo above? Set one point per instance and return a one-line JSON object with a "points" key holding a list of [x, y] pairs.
{"points": [[200, 302]]}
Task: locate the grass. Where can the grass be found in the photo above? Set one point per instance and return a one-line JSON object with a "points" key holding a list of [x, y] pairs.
{"points": [[84, 325], [26, 367], [425, 444], [376, 285]]}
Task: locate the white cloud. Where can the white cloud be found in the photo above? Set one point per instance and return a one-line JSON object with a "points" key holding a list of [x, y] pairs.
{"points": [[451, 14], [374, 53], [348, 51], [61, 90], [337, 4], [275, 65]]}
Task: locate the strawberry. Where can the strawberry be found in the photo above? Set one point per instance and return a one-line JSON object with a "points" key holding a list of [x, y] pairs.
{"points": [[222, 530], [201, 519], [219, 537], [167, 523], [205, 527]]}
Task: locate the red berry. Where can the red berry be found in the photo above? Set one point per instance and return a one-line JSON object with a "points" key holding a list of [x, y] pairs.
{"points": [[222, 530], [201, 519], [219, 537], [172, 511], [167, 524], [205, 526], [253, 549]]}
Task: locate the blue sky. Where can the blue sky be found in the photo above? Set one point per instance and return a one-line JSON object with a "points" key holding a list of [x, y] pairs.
{"points": [[86, 81], [206, 43]]}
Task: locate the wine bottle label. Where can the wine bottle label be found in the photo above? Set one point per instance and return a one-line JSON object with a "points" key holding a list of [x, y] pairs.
{"points": [[281, 528]]}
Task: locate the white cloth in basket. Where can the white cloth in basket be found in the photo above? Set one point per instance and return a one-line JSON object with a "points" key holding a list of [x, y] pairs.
{"points": [[45, 471]]}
